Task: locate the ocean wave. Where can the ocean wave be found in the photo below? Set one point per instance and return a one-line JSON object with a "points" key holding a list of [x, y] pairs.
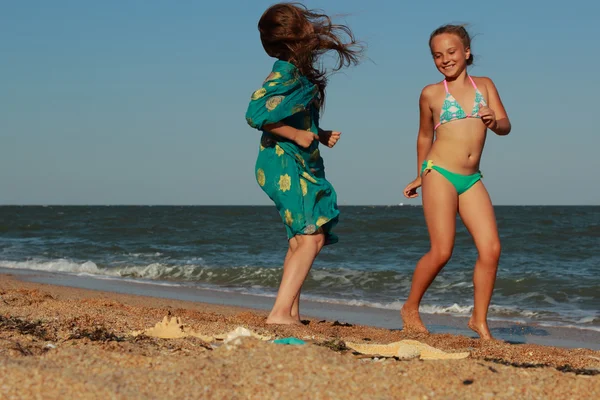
{"points": [[569, 326], [59, 265], [588, 319], [342, 286], [195, 270], [145, 255]]}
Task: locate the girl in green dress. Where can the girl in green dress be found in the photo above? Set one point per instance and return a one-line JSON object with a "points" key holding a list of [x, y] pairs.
{"points": [[289, 168]]}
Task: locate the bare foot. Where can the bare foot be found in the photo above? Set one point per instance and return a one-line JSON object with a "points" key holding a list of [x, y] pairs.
{"points": [[481, 329], [274, 320], [412, 321]]}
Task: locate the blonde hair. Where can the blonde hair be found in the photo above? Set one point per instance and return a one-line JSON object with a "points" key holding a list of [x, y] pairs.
{"points": [[458, 30]]}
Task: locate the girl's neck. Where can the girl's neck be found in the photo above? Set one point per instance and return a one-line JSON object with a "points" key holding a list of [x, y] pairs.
{"points": [[461, 78]]}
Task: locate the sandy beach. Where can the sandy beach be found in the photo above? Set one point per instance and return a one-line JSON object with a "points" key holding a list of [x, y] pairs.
{"points": [[62, 342]]}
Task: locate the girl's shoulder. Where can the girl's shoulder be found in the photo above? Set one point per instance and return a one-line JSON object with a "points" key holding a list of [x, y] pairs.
{"points": [[483, 81], [286, 74], [485, 85], [432, 91], [433, 87]]}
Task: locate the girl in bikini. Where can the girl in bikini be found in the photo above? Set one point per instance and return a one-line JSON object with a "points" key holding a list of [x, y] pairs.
{"points": [[458, 112], [289, 167]]}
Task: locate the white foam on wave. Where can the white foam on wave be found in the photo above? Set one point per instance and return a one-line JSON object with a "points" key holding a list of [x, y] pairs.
{"points": [[89, 268], [59, 265], [156, 271], [569, 326], [147, 255], [396, 305], [136, 281], [454, 309], [588, 319]]}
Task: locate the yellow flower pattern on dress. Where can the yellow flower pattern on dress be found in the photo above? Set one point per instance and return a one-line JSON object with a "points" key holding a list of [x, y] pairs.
{"points": [[288, 217], [314, 156], [278, 150], [300, 160], [309, 178], [298, 108], [273, 76], [273, 102], [322, 221], [285, 183], [262, 147], [260, 177], [290, 82], [271, 84], [303, 186], [259, 93]]}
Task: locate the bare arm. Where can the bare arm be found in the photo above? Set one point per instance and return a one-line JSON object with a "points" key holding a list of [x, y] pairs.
{"points": [[302, 138], [424, 140], [425, 136], [285, 131], [502, 126]]}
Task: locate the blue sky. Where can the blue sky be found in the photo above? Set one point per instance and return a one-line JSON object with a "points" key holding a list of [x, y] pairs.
{"points": [[143, 102]]}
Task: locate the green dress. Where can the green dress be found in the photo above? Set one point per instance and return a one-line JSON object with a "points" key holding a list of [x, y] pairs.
{"points": [[293, 176]]}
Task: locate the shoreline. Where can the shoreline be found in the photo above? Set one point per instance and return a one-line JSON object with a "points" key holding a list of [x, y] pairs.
{"points": [[510, 331], [77, 343]]}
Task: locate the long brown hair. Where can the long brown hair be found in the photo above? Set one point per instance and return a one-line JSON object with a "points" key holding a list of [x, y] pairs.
{"points": [[291, 32], [458, 30]]}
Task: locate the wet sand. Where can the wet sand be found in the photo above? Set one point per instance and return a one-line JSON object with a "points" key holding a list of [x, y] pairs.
{"points": [[63, 342]]}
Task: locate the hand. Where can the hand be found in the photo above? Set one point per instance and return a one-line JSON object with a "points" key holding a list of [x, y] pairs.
{"points": [[488, 116], [304, 138], [329, 138], [410, 191]]}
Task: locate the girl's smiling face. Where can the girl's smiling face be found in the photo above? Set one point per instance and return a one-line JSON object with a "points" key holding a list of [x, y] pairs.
{"points": [[449, 54]]}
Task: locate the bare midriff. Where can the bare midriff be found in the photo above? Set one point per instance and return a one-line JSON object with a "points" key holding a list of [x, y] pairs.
{"points": [[458, 146]]}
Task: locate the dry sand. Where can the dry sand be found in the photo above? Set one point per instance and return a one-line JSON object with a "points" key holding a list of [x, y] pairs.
{"points": [[60, 342]]}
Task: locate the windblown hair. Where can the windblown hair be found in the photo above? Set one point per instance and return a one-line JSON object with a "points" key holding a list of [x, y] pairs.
{"points": [[458, 30], [293, 33]]}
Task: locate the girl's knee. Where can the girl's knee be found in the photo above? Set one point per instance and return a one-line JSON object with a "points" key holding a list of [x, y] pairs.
{"points": [[490, 252], [316, 241], [293, 243], [441, 255]]}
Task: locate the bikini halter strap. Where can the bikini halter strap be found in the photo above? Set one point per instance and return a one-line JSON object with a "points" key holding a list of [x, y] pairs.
{"points": [[471, 79]]}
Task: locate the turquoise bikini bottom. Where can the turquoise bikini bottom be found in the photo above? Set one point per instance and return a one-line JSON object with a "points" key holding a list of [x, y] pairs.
{"points": [[461, 183]]}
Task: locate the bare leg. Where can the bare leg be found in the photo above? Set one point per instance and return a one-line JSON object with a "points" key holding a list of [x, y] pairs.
{"points": [[294, 273], [475, 209], [439, 206], [296, 307]]}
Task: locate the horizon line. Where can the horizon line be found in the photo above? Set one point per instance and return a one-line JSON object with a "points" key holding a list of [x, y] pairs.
{"points": [[265, 205]]}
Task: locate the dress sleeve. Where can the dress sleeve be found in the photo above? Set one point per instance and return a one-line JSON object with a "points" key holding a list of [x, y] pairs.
{"points": [[282, 95]]}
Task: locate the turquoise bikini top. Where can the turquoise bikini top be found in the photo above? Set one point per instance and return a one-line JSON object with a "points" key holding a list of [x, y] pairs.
{"points": [[452, 111]]}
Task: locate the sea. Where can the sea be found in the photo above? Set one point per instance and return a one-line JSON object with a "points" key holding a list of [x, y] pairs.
{"points": [[549, 273]]}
